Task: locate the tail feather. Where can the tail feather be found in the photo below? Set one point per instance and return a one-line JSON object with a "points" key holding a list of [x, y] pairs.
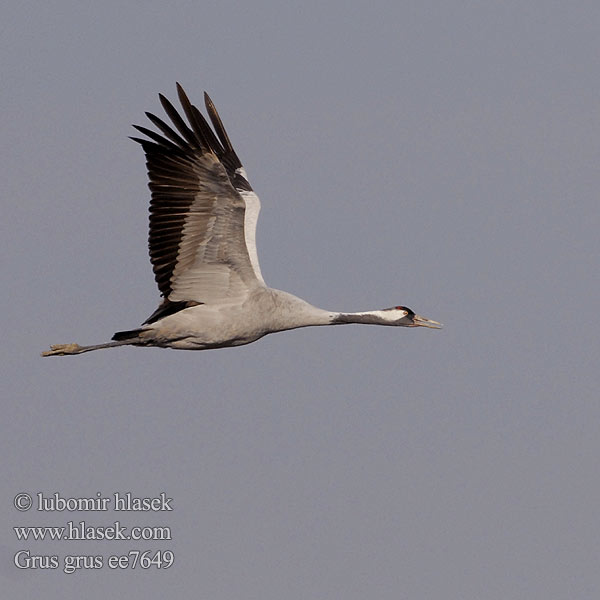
{"points": [[130, 335]]}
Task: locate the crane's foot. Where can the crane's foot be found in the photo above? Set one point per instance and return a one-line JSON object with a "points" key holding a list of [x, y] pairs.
{"points": [[62, 349]]}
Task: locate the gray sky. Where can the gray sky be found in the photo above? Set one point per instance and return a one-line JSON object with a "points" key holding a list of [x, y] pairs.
{"points": [[441, 155]]}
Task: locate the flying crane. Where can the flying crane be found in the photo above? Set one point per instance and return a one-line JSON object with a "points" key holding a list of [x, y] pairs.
{"points": [[203, 215]]}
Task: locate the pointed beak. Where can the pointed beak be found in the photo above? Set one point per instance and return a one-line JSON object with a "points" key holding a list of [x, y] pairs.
{"points": [[419, 321]]}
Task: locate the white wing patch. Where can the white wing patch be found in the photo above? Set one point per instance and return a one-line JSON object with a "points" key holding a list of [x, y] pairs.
{"points": [[250, 218]]}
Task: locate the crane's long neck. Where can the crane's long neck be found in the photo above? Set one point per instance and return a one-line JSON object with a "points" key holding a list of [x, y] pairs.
{"points": [[318, 316], [292, 312], [289, 312]]}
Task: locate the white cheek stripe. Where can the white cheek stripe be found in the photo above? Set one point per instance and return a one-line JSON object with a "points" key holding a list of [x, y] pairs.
{"points": [[386, 315]]}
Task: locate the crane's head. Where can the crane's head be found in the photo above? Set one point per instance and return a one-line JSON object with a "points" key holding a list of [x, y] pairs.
{"points": [[397, 316], [402, 316]]}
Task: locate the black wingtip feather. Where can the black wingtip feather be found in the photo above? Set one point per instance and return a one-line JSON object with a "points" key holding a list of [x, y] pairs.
{"points": [[217, 123], [168, 131], [159, 139], [198, 123], [183, 129]]}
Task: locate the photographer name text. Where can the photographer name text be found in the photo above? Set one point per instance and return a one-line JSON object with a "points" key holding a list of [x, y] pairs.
{"points": [[123, 502]]}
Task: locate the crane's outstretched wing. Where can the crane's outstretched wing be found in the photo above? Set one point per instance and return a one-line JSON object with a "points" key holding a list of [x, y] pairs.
{"points": [[203, 211]]}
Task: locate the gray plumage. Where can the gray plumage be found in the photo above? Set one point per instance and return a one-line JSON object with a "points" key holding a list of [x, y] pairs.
{"points": [[203, 215]]}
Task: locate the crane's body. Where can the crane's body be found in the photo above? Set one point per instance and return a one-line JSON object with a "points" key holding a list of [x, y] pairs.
{"points": [[216, 326], [203, 216]]}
